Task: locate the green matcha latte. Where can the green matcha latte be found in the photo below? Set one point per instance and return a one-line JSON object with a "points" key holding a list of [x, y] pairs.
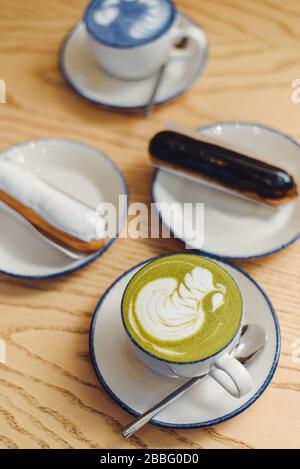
{"points": [[182, 308]]}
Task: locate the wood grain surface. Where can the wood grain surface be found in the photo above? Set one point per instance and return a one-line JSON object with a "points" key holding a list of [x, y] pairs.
{"points": [[49, 395]]}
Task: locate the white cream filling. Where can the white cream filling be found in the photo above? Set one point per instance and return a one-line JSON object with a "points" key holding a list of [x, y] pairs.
{"points": [[171, 311], [56, 208]]}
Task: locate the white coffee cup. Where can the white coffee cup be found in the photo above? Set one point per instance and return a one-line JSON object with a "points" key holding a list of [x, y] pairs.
{"points": [[142, 61], [221, 366]]}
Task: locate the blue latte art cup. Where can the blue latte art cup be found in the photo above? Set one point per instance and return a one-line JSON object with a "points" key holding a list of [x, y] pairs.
{"points": [[132, 39]]}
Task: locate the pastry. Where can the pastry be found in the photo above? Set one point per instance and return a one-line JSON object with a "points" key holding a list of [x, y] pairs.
{"points": [[58, 216], [222, 165]]}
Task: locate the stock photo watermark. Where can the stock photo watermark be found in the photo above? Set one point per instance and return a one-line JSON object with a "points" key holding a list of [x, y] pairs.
{"points": [[296, 352], [183, 221], [295, 95], [2, 351], [2, 92]]}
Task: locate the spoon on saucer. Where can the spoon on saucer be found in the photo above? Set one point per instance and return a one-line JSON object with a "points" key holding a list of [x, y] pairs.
{"points": [[151, 103], [250, 345]]}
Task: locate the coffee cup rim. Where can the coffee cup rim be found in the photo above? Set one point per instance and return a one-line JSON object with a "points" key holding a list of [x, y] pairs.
{"points": [[164, 360], [144, 42]]}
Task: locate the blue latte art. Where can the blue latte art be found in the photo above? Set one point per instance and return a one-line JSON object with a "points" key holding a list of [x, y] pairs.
{"points": [[128, 23]]}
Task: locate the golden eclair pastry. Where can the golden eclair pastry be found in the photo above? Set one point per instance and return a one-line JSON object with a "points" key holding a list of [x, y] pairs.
{"points": [[58, 216], [222, 165]]}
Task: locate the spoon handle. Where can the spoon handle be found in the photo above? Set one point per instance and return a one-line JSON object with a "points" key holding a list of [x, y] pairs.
{"points": [[151, 102], [246, 357], [147, 416]]}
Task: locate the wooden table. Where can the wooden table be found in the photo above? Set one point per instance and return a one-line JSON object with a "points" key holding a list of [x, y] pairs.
{"points": [[49, 395]]}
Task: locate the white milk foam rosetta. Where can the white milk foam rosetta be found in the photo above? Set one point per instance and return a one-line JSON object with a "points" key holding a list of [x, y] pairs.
{"points": [[169, 310], [154, 17], [56, 208], [153, 20]]}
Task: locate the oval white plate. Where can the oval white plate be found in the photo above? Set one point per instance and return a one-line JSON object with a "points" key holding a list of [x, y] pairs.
{"points": [[87, 79], [76, 168], [136, 388], [235, 228]]}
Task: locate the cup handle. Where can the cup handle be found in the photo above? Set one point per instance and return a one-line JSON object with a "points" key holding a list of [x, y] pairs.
{"points": [[231, 375], [191, 34]]}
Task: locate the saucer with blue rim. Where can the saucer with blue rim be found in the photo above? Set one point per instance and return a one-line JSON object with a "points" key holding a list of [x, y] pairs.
{"points": [[81, 171], [234, 227], [86, 77], [136, 388]]}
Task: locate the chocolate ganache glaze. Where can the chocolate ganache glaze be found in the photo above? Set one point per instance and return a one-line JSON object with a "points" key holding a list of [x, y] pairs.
{"points": [[224, 165]]}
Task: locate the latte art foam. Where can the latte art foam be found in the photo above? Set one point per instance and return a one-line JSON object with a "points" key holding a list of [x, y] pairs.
{"points": [[151, 21], [125, 23], [172, 311], [182, 307]]}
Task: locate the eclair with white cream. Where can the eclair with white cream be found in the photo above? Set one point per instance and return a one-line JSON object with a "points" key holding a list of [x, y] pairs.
{"points": [[58, 216]]}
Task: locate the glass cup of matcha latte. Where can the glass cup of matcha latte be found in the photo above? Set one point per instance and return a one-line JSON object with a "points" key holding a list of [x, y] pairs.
{"points": [[183, 315]]}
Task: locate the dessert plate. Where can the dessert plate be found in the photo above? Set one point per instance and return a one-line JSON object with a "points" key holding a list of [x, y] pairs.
{"points": [[234, 227], [86, 78], [75, 168], [136, 388]]}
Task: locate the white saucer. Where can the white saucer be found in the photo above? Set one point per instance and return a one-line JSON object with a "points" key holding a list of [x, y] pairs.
{"points": [[136, 388], [86, 77], [235, 228], [78, 169]]}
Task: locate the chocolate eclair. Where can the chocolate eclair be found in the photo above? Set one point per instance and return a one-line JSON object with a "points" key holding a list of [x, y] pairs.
{"points": [[222, 165]]}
